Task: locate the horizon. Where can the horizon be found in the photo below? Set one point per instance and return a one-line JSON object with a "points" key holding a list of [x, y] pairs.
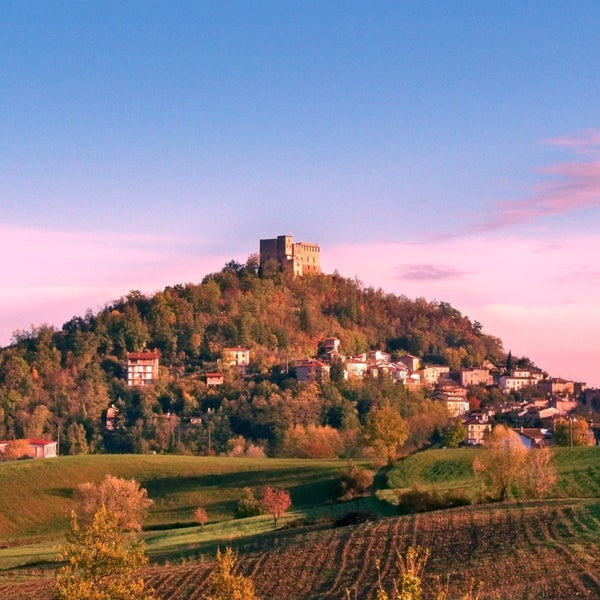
{"points": [[444, 152]]}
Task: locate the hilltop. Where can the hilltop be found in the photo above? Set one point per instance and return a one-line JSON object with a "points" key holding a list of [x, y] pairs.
{"points": [[61, 383]]}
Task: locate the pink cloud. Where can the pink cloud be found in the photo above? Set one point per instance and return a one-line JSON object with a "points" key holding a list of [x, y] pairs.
{"points": [[420, 272], [49, 276], [567, 187], [584, 142]]}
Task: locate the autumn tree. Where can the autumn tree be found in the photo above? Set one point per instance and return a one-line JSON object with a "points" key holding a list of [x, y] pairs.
{"points": [[225, 584], [122, 497], [102, 563], [454, 435], [572, 432], [16, 449], [411, 567], [500, 465], [539, 475], [355, 481], [201, 516], [385, 431], [275, 502]]}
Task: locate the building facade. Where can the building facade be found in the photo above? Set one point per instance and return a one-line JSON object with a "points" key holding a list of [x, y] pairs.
{"points": [[142, 368], [301, 257]]}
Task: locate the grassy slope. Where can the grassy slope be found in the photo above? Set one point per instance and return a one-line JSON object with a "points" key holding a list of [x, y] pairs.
{"points": [[36, 495], [578, 471]]}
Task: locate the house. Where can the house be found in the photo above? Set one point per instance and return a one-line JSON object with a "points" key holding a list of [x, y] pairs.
{"points": [[112, 414], [477, 429], [412, 362], [237, 357], [556, 385], [354, 368], [454, 397], [476, 376], [311, 370], [214, 379], [301, 257], [534, 437], [378, 356], [34, 448], [395, 371], [511, 383], [432, 374], [142, 368], [328, 349]]}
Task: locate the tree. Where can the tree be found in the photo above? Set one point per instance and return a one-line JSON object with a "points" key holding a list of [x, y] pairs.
{"points": [[201, 516], [500, 465], [16, 449], [408, 585], [122, 497], [385, 430], [539, 475], [224, 584], [455, 435], [276, 502], [572, 432], [101, 562]]}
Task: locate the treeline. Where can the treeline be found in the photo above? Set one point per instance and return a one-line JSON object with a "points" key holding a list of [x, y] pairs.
{"points": [[59, 383]]}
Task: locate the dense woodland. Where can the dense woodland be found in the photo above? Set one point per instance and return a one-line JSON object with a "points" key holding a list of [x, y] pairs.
{"points": [[60, 383]]}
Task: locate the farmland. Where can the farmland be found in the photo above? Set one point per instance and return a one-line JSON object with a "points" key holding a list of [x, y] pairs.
{"points": [[545, 550], [519, 550]]}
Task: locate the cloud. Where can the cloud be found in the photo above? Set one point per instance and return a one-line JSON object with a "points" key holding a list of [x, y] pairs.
{"points": [[585, 142], [49, 276], [565, 187], [419, 272]]}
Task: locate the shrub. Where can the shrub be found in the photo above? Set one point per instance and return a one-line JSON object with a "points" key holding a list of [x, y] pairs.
{"points": [[355, 482], [421, 500], [353, 517], [248, 505]]}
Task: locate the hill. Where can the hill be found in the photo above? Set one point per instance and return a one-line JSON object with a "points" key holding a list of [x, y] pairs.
{"points": [[36, 496], [59, 384]]}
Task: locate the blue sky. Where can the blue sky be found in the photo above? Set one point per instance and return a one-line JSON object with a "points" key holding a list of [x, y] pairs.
{"points": [[444, 150]]}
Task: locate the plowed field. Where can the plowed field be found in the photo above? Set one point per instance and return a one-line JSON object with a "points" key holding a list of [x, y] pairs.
{"points": [[546, 551]]}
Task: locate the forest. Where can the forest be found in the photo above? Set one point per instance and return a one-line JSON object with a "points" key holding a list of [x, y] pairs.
{"points": [[58, 383]]}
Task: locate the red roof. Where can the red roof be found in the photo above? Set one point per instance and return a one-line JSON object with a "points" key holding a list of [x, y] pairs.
{"points": [[143, 355]]}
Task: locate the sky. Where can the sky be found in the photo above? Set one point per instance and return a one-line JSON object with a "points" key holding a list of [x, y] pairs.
{"points": [[444, 150]]}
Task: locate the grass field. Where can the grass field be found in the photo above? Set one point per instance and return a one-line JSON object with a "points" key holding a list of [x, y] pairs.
{"points": [[451, 469], [36, 495]]}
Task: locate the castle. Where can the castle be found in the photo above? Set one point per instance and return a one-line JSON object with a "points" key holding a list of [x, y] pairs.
{"points": [[301, 257]]}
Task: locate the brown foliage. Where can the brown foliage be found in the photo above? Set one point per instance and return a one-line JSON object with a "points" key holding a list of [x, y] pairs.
{"points": [[123, 497]]}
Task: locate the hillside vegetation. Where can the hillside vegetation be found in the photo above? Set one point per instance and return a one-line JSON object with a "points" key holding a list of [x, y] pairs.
{"points": [[59, 383]]}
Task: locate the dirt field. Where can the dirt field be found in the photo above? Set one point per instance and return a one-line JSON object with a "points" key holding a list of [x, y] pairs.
{"points": [[546, 551]]}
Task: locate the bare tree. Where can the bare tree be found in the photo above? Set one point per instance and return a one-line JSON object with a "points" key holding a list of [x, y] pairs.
{"points": [[539, 475], [500, 465]]}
